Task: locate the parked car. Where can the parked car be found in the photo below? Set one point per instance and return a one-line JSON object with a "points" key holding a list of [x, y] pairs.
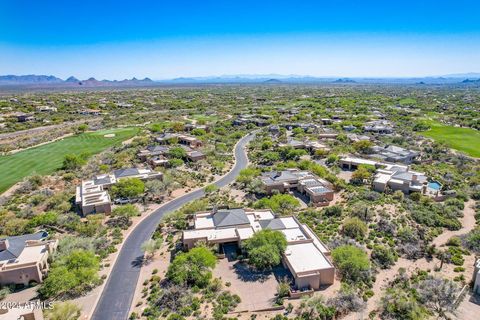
{"points": [[123, 201]]}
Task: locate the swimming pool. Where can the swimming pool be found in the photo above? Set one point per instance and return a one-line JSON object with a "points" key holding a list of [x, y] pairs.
{"points": [[434, 185]]}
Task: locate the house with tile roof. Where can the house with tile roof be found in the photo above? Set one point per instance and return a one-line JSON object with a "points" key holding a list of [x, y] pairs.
{"points": [[306, 257], [24, 258]]}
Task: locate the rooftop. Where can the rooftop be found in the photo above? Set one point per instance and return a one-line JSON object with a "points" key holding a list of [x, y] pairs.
{"points": [[16, 244], [233, 217], [306, 257]]}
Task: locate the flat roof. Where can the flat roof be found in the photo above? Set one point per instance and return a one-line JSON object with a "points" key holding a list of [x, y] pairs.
{"points": [[358, 161], [306, 257], [289, 222], [211, 234], [295, 234], [316, 241], [319, 189], [245, 233], [203, 222]]}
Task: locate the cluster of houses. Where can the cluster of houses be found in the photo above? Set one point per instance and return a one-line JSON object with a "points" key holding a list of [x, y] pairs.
{"points": [[258, 120], [306, 257], [318, 191], [157, 155], [92, 195]]}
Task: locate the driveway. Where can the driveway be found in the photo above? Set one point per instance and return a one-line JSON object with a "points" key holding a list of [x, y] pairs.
{"points": [[256, 289], [119, 290]]}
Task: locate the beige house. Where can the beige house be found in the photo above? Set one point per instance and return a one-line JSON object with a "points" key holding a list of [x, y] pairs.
{"points": [[306, 256], [157, 155], [317, 190], [399, 178], [92, 195], [389, 175], [25, 258], [184, 139], [93, 198]]}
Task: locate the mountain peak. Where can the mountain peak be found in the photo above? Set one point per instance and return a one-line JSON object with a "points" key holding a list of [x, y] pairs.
{"points": [[72, 79]]}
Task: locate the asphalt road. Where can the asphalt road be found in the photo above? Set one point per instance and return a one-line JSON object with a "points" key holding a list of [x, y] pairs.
{"points": [[119, 290]]}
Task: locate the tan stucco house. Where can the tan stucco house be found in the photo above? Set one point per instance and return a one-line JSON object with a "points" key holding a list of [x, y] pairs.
{"points": [[25, 258], [306, 257]]}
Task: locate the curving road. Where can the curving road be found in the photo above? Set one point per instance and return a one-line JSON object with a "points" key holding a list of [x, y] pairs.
{"points": [[119, 290]]}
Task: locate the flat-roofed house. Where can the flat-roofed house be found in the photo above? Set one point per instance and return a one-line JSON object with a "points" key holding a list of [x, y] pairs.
{"points": [[282, 181], [152, 151], [390, 175], [190, 127], [139, 173], [184, 139], [401, 178], [306, 256], [379, 127], [352, 163], [24, 258], [310, 146], [46, 109], [92, 197], [318, 191], [195, 155], [25, 117], [391, 153]]}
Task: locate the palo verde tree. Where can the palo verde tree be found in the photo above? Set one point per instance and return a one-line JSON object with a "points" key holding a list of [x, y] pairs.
{"points": [[265, 248]]}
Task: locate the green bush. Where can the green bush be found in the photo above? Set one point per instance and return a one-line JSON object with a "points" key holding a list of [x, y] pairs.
{"points": [[265, 248]]}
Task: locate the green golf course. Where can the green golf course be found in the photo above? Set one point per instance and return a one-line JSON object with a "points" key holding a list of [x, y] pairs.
{"points": [[47, 158], [465, 140]]}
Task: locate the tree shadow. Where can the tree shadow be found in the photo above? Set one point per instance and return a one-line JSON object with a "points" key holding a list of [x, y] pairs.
{"points": [[247, 274], [139, 262]]}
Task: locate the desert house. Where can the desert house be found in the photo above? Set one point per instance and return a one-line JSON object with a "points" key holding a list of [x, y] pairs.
{"points": [[183, 139], [390, 176], [24, 259], [317, 190], [92, 196], [306, 257]]}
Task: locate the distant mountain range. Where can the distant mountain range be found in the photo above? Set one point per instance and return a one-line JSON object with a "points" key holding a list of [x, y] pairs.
{"points": [[40, 81], [52, 81]]}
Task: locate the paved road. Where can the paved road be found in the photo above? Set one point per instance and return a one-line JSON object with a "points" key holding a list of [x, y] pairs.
{"points": [[120, 288]]}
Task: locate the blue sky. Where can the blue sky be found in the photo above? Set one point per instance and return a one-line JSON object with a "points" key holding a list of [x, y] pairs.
{"points": [[165, 39]]}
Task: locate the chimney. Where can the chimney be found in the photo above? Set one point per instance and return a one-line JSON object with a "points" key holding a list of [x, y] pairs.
{"points": [[3, 244], [414, 177]]}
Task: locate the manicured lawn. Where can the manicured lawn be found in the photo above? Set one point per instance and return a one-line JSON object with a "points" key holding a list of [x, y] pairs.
{"points": [[47, 158], [462, 139]]}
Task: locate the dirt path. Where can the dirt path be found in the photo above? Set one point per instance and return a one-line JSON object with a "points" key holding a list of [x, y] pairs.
{"points": [[468, 223]]}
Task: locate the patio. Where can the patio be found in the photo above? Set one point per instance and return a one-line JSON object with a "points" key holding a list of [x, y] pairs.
{"points": [[256, 289]]}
